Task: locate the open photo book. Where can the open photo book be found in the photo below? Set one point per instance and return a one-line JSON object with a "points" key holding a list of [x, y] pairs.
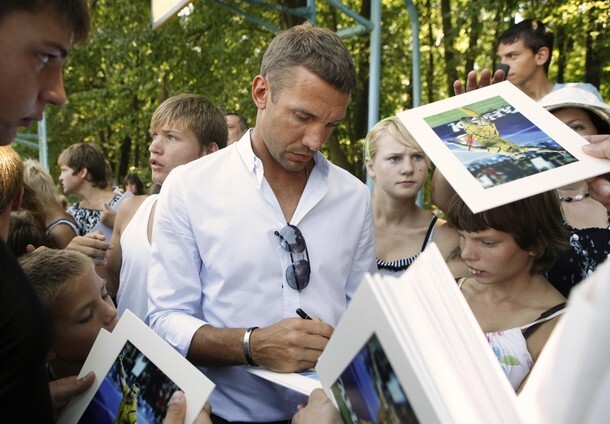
{"points": [[136, 373], [495, 145], [409, 350]]}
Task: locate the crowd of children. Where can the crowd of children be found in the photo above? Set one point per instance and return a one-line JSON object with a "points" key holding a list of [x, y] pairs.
{"points": [[234, 222]]}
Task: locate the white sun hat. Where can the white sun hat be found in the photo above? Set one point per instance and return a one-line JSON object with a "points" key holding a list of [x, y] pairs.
{"points": [[576, 96]]}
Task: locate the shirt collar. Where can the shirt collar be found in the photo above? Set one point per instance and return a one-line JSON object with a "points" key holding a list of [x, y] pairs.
{"points": [[255, 165]]}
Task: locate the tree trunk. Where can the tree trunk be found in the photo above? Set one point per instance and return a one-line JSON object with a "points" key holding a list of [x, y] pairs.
{"points": [[337, 155], [124, 160], [448, 43], [288, 20], [430, 72], [560, 46], [594, 56], [473, 37]]}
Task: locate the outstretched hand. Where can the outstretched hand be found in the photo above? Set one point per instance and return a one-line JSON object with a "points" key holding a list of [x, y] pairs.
{"points": [[108, 215], [473, 84]]}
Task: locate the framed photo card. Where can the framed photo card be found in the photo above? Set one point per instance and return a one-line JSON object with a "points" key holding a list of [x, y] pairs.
{"points": [[136, 374], [495, 145]]}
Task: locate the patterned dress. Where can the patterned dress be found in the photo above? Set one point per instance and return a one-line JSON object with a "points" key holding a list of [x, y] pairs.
{"points": [[510, 346], [589, 247], [85, 218]]}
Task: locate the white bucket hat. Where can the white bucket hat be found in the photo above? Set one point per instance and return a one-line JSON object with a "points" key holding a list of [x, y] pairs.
{"points": [[575, 96]]}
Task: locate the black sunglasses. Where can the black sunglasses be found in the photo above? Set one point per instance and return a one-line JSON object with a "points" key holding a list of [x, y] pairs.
{"points": [[293, 242]]}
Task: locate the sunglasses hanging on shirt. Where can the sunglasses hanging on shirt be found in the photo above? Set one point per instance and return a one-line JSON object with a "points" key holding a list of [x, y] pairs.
{"points": [[293, 242]]}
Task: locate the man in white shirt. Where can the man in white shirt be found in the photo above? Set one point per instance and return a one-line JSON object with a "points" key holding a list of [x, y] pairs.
{"points": [[244, 237]]}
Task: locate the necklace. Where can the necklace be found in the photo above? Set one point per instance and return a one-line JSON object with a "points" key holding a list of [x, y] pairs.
{"points": [[576, 198]]}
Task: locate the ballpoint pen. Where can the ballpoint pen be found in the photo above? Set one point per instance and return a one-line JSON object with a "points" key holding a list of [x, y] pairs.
{"points": [[302, 314]]}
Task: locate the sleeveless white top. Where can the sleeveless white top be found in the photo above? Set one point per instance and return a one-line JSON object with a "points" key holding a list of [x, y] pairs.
{"points": [[136, 249]]}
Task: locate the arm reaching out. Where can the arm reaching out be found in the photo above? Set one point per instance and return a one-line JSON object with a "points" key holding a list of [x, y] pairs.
{"points": [[473, 84], [93, 245]]}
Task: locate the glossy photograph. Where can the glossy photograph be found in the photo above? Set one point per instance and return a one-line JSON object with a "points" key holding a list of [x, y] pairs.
{"points": [[496, 143], [369, 391]]}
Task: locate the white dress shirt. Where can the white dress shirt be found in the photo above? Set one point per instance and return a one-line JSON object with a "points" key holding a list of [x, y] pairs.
{"points": [[215, 259]]}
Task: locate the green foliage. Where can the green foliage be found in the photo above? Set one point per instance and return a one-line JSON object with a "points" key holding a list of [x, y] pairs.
{"points": [[116, 81]]}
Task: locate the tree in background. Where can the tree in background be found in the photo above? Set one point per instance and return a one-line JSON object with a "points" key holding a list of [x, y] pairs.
{"points": [[116, 82]]}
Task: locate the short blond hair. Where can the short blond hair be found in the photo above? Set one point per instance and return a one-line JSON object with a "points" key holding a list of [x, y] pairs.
{"points": [[395, 128], [195, 113], [51, 270], [11, 176], [40, 181]]}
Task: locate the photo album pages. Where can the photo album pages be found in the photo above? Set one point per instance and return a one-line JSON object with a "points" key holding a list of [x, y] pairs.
{"points": [[409, 350]]}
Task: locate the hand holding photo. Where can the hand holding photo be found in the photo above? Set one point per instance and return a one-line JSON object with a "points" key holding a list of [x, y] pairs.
{"points": [[136, 374], [495, 145]]}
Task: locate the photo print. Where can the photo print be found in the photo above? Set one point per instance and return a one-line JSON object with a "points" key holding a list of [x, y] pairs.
{"points": [[368, 390], [496, 143], [134, 390]]}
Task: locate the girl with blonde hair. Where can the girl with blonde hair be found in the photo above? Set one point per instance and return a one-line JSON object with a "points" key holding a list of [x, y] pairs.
{"points": [[60, 226], [399, 167]]}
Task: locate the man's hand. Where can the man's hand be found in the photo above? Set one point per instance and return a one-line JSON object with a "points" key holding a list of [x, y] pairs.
{"points": [[176, 411], [64, 389], [292, 344], [599, 187], [472, 84], [93, 245], [319, 410]]}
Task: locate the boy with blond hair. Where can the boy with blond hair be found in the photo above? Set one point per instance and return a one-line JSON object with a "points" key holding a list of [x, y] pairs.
{"points": [[76, 303], [183, 128]]}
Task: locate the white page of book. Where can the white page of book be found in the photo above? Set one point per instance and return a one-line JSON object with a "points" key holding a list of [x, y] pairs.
{"points": [[304, 382], [429, 290], [365, 324], [495, 145]]}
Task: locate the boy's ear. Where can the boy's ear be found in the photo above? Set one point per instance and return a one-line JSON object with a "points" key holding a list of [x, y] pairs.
{"points": [[210, 148], [542, 55], [83, 173], [17, 200]]}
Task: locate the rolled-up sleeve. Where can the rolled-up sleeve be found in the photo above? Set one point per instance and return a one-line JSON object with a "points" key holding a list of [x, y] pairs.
{"points": [[364, 259], [174, 277]]}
